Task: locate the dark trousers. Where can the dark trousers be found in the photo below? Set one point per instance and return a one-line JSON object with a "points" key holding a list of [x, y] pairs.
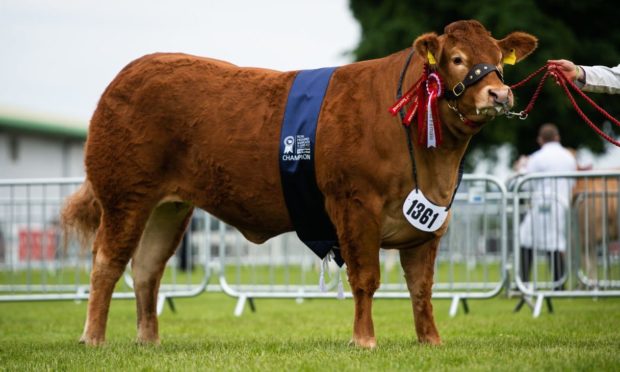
{"points": [[556, 265]]}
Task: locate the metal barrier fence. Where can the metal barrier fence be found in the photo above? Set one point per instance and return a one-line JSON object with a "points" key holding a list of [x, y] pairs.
{"points": [[472, 262], [469, 264], [565, 234], [35, 265]]}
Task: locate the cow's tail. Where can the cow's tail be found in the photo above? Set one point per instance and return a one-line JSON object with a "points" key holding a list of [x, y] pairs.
{"points": [[81, 215]]}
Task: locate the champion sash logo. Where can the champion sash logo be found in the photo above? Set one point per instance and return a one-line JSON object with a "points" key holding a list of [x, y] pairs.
{"points": [[297, 148], [288, 144]]}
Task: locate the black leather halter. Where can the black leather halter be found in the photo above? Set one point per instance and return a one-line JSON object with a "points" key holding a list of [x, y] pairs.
{"points": [[474, 75]]}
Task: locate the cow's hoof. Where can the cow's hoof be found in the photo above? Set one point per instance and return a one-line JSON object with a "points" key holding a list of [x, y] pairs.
{"points": [[148, 341], [91, 341], [430, 340], [364, 342]]}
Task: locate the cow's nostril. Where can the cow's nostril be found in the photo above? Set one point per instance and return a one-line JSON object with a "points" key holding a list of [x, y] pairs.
{"points": [[499, 96]]}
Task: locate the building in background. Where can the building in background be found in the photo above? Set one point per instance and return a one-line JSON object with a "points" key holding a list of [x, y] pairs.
{"points": [[38, 146]]}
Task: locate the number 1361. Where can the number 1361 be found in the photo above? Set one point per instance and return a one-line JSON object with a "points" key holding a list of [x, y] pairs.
{"points": [[418, 211]]}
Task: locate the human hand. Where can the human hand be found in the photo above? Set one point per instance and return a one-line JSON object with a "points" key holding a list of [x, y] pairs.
{"points": [[566, 67]]}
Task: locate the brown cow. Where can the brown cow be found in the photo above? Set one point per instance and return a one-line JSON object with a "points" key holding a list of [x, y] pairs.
{"points": [[174, 131], [596, 203]]}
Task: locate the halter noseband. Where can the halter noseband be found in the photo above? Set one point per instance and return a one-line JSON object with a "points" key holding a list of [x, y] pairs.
{"points": [[474, 75]]}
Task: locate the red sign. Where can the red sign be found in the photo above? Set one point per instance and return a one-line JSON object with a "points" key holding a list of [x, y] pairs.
{"points": [[37, 245]]}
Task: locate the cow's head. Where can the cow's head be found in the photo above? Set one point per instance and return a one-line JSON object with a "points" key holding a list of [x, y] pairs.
{"points": [[463, 45]]}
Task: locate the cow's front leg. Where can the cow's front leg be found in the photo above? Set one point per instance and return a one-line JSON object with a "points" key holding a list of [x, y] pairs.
{"points": [[358, 233], [364, 279], [419, 266]]}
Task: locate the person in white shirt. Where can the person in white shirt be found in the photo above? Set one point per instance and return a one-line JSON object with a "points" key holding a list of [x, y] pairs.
{"points": [[595, 79], [544, 225]]}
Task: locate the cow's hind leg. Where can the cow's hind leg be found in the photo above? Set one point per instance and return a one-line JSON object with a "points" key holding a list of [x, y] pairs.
{"points": [[358, 234], [115, 241], [160, 239], [419, 266]]}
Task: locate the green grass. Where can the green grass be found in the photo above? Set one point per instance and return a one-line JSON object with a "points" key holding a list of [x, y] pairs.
{"points": [[284, 335]]}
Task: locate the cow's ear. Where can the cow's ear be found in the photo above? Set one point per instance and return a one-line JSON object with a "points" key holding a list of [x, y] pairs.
{"points": [[517, 46], [427, 45]]}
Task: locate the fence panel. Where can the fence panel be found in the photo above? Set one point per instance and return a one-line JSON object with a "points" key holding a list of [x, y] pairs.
{"points": [[35, 265], [565, 235]]}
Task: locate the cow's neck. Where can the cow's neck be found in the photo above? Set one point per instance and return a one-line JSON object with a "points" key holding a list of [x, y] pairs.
{"points": [[437, 168]]}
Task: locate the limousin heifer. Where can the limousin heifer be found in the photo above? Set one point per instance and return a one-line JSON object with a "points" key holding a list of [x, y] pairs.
{"points": [[174, 131]]}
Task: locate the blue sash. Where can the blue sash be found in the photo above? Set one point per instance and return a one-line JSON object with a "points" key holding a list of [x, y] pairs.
{"points": [[304, 200]]}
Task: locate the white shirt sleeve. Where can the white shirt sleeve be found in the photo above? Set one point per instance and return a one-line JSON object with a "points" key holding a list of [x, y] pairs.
{"points": [[601, 79]]}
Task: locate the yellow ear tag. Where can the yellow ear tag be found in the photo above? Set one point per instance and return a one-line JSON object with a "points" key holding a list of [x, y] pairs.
{"points": [[511, 58], [431, 58]]}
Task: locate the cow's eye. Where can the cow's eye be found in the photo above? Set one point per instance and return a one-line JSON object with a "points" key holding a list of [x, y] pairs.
{"points": [[457, 60]]}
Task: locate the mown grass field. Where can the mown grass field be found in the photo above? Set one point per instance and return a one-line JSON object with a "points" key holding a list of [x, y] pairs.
{"points": [[284, 335]]}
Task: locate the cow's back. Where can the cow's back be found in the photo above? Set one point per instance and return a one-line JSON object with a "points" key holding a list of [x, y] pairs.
{"points": [[200, 130]]}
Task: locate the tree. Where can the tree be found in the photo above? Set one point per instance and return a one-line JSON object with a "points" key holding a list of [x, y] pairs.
{"points": [[586, 32]]}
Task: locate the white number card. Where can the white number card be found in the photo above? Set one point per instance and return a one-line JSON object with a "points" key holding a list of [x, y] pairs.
{"points": [[423, 214]]}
